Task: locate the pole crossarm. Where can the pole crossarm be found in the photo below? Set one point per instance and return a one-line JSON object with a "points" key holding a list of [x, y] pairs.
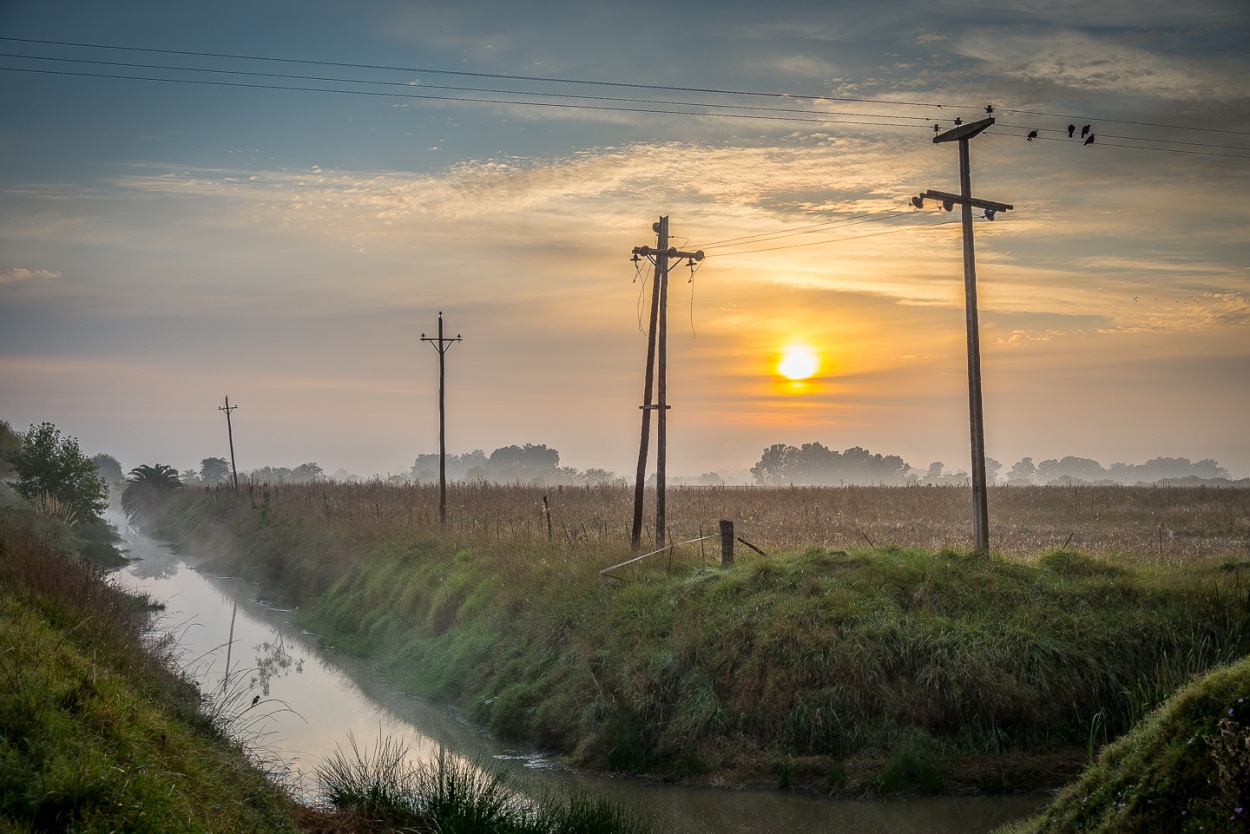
{"points": [[947, 197], [959, 132], [672, 252]]}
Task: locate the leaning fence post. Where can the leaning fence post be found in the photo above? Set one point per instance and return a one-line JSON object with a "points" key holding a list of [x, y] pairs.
{"points": [[726, 544]]}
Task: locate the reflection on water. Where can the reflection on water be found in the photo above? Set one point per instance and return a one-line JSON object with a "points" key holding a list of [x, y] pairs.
{"points": [[308, 701]]}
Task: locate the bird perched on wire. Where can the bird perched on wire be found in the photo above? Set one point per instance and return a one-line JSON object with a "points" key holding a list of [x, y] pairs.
{"points": [[1085, 131], [1090, 140], [1032, 135], [1071, 130]]}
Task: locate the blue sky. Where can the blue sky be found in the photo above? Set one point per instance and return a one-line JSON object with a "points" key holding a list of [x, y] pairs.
{"points": [[164, 244]]}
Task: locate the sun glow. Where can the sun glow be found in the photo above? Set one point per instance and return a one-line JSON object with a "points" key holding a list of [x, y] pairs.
{"points": [[798, 362]]}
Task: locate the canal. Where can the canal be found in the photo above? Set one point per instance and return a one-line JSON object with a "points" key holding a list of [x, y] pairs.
{"points": [[313, 701]]}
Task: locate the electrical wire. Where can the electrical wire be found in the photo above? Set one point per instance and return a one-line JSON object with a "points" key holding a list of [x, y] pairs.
{"points": [[662, 107], [767, 236], [462, 99], [919, 227], [410, 85], [620, 84]]}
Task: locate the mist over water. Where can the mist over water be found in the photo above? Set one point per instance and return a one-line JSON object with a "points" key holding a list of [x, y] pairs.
{"points": [[316, 700]]}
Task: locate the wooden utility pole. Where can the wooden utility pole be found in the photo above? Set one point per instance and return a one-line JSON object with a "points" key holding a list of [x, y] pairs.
{"points": [[441, 344], [230, 433], [657, 374], [962, 134]]}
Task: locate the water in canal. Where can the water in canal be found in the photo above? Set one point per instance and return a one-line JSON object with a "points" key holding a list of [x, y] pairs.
{"points": [[312, 700]]}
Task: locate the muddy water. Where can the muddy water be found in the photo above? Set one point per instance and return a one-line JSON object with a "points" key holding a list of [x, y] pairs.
{"points": [[312, 701]]}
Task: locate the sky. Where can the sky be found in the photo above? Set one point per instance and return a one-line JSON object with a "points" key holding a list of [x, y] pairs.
{"points": [[179, 223]]}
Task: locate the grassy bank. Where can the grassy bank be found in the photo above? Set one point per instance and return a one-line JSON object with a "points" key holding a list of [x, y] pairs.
{"points": [[855, 670], [1185, 768], [96, 732]]}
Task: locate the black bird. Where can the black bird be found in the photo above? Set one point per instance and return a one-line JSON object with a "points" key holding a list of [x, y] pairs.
{"points": [[1090, 140], [256, 700], [1071, 130], [1032, 135], [1084, 131]]}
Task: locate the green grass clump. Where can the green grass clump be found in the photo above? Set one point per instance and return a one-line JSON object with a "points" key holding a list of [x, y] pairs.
{"points": [[96, 733], [383, 790], [1185, 768]]}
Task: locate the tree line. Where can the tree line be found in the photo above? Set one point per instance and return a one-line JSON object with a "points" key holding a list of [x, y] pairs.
{"points": [[814, 464]]}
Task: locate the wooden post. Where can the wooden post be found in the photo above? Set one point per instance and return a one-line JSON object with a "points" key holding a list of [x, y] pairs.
{"points": [[547, 516], [441, 344], [726, 544], [963, 134], [635, 535]]}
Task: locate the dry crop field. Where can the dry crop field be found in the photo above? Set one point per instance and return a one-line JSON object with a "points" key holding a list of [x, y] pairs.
{"points": [[1148, 525]]}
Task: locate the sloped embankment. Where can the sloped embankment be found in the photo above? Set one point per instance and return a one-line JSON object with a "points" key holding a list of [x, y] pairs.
{"points": [[1185, 767], [96, 732], [877, 669]]}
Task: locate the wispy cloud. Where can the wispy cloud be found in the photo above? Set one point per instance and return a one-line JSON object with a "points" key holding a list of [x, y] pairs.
{"points": [[14, 275]]}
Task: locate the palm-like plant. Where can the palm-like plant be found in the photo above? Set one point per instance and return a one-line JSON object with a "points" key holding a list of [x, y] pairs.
{"points": [[147, 488]]}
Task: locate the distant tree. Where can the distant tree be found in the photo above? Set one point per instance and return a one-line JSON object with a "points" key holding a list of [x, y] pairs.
{"points": [[10, 441], [778, 465], [189, 477], [595, 477], [529, 457], [458, 466], [1159, 469], [1071, 468], [992, 468], [935, 471], [147, 489], [49, 465], [109, 467], [1022, 472], [306, 473], [214, 471], [270, 475], [814, 464]]}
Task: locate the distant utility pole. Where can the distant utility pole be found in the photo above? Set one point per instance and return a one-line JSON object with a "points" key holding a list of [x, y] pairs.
{"points": [[962, 134], [441, 345], [230, 433], [657, 366]]}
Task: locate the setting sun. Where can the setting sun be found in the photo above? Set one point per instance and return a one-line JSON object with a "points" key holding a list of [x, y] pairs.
{"points": [[798, 362]]}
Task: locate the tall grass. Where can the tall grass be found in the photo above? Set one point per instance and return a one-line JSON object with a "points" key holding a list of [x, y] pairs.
{"points": [[1165, 525], [384, 790]]}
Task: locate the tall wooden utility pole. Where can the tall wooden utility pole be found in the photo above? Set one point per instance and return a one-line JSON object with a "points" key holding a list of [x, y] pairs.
{"points": [[962, 134], [441, 345], [657, 373], [230, 433]]}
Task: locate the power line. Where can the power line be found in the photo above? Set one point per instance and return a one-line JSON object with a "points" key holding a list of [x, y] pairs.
{"points": [[461, 99], [779, 235], [620, 84], [661, 107], [914, 228], [409, 85], [1064, 137]]}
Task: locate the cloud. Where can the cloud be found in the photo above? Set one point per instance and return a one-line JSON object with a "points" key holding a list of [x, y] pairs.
{"points": [[1081, 61], [15, 275]]}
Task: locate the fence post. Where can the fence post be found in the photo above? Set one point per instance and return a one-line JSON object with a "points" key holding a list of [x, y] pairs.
{"points": [[726, 544]]}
